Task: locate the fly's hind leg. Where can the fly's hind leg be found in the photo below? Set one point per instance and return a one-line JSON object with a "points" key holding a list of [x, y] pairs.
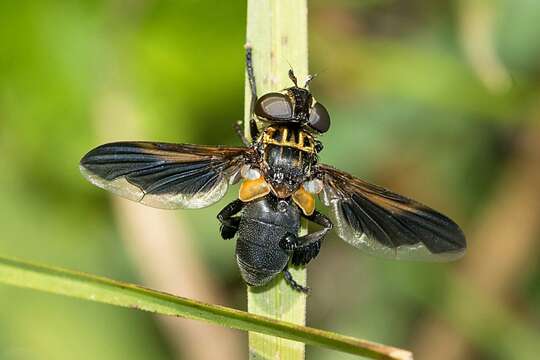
{"points": [[307, 247], [292, 283], [230, 222]]}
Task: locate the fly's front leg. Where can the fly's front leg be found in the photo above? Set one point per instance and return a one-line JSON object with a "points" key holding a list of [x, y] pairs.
{"points": [[305, 248], [229, 222], [254, 131], [251, 76]]}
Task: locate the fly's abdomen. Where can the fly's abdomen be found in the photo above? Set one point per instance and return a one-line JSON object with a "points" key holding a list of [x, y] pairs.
{"points": [[258, 253], [259, 256]]}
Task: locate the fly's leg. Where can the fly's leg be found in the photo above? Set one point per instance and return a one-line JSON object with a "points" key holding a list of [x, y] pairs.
{"points": [[239, 129], [229, 222], [254, 131], [305, 248], [251, 76], [318, 146], [292, 283]]}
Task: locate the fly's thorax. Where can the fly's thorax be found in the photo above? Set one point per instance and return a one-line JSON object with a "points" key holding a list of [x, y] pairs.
{"points": [[291, 136], [288, 155]]}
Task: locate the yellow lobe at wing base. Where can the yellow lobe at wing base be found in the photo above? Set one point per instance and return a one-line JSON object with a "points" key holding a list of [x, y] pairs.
{"points": [[305, 200], [253, 189]]}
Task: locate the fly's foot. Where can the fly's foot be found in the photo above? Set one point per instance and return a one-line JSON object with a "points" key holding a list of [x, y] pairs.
{"points": [[292, 283]]}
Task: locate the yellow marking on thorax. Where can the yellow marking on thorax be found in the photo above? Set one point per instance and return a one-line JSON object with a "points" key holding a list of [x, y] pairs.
{"points": [[253, 189], [305, 141], [304, 200]]}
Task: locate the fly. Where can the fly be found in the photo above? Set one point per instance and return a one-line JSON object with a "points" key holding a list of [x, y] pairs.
{"points": [[280, 177]]}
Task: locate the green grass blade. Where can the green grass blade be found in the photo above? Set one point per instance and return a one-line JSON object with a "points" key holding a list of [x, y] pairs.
{"points": [[277, 32], [99, 289]]}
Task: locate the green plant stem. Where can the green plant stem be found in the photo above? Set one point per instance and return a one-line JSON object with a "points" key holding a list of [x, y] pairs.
{"points": [[277, 33], [94, 288]]}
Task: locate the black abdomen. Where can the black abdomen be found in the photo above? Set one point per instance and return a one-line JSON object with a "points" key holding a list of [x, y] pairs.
{"points": [[262, 226]]}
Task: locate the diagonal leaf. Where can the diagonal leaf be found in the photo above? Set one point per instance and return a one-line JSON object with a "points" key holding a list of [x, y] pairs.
{"points": [[90, 287]]}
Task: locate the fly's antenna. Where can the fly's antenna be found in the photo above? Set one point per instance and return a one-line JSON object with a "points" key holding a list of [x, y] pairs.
{"points": [[293, 78], [291, 74], [290, 66]]}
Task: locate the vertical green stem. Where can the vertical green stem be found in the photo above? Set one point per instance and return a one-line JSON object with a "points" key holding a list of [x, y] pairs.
{"points": [[277, 33]]}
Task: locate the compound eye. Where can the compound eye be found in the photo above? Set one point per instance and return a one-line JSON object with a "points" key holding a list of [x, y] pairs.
{"points": [[274, 106], [319, 119]]}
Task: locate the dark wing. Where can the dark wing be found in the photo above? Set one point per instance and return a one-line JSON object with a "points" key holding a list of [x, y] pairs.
{"points": [[386, 224], [161, 175]]}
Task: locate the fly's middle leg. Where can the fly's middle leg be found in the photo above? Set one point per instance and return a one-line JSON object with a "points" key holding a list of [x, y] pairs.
{"points": [[239, 129]]}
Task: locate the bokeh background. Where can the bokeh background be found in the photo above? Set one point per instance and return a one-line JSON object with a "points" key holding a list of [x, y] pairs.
{"points": [[438, 100]]}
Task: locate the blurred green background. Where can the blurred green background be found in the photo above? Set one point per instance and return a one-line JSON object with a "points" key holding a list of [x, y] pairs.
{"points": [[438, 100]]}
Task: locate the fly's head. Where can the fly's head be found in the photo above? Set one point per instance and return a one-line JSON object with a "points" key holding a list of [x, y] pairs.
{"points": [[294, 105]]}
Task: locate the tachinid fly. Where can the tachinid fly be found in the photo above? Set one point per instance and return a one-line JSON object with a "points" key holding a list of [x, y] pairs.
{"points": [[280, 176]]}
